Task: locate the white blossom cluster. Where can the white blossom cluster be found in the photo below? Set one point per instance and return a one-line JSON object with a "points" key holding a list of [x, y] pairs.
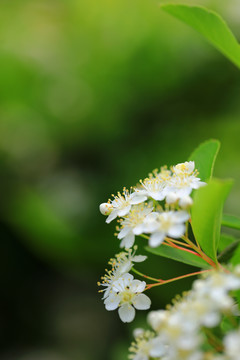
{"points": [[140, 212], [179, 332], [121, 290]]}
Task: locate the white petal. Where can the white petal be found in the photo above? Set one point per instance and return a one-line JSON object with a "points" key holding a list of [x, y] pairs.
{"points": [[142, 302], [185, 202], [111, 217], [157, 347], [139, 229], [211, 320], [128, 241], [183, 191], [181, 216], [112, 302], [124, 211], [198, 184], [152, 216], [138, 198], [171, 198], [125, 267], [123, 232], [137, 286], [176, 231], [141, 357], [139, 258], [126, 313], [120, 284], [156, 239], [159, 196]]}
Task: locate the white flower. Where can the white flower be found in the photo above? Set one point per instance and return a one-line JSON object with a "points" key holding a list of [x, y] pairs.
{"points": [[153, 187], [215, 289], [164, 224], [121, 264], [126, 295], [232, 344], [146, 345], [133, 224], [183, 180], [121, 204], [185, 168]]}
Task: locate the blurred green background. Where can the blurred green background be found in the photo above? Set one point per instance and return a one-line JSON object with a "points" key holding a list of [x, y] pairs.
{"points": [[93, 96]]}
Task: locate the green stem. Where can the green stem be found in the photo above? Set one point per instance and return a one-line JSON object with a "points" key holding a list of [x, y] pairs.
{"points": [[201, 253], [144, 236], [146, 276], [213, 340], [176, 241]]}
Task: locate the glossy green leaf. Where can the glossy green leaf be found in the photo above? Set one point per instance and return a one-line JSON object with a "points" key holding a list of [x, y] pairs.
{"points": [[226, 255], [207, 214], [225, 241], [236, 257], [204, 157], [210, 25], [178, 255], [231, 221]]}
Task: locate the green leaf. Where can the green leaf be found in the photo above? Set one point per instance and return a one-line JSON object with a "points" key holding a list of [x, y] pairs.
{"points": [[204, 157], [236, 257], [231, 221], [178, 255], [225, 241], [207, 214], [228, 252], [210, 25]]}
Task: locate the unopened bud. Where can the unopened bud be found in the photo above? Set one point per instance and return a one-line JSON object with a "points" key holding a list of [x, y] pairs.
{"points": [[138, 332], [171, 198], [105, 208], [185, 202]]}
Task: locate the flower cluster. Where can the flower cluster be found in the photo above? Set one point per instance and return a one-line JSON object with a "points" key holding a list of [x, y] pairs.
{"points": [[157, 206], [180, 331], [141, 211]]}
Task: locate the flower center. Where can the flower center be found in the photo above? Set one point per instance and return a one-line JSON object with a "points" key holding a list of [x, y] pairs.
{"points": [[127, 296]]}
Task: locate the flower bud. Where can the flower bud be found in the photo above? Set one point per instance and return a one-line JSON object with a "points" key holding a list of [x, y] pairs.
{"points": [[171, 198], [105, 208], [185, 202], [138, 332]]}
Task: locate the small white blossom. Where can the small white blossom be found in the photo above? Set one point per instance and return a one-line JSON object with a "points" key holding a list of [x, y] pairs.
{"points": [[160, 225], [146, 346], [215, 289], [184, 180], [133, 224], [183, 169], [154, 187], [121, 204], [121, 264], [127, 295]]}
